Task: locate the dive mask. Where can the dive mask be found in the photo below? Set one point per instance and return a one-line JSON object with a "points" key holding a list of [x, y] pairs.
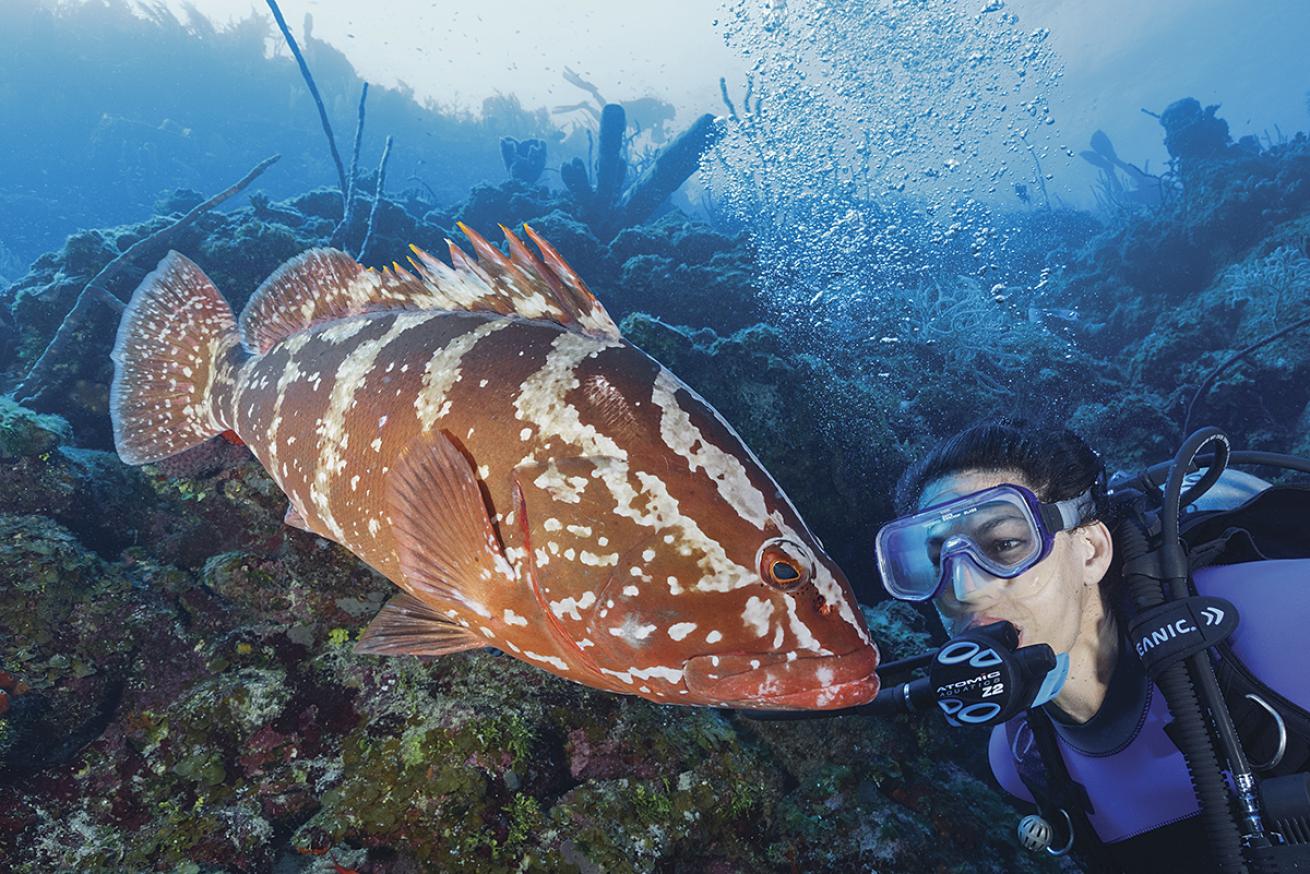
{"points": [[1003, 530]]}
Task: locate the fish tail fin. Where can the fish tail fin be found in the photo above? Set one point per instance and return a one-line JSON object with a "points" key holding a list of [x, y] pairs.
{"points": [[176, 360]]}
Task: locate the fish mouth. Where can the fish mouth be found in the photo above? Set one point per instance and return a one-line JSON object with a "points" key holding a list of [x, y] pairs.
{"points": [[768, 681]]}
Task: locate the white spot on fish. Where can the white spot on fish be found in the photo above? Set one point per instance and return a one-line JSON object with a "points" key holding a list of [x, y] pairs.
{"points": [[632, 630], [553, 661], [570, 606], [679, 630], [756, 615], [512, 618]]}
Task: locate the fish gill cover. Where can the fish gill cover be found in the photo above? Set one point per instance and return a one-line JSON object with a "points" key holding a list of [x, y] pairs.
{"points": [[178, 679]]}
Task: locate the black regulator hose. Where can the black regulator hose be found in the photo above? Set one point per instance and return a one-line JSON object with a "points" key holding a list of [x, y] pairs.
{"points": [[1146, 581], [1189, 722]]}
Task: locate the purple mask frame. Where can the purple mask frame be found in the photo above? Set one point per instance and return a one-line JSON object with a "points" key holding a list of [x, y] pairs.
{"points": [[1044, 520]]}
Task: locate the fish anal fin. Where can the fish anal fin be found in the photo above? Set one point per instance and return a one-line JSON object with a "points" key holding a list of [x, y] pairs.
{"points": [[295, 520], [407, 626], [446, 546]]}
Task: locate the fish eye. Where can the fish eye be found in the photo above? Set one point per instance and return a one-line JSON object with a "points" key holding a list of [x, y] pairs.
{"points": [[785, 564], [785, 571]]}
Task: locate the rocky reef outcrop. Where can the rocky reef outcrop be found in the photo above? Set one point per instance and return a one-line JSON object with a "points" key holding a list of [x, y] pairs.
{"points": [[190, 701]]}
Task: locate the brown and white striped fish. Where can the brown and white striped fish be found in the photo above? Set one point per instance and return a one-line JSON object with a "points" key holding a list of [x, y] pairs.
{"points": [[484, 437]]}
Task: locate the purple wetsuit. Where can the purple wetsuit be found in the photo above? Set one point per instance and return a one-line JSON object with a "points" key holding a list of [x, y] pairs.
{"points": [[1134, 775]]}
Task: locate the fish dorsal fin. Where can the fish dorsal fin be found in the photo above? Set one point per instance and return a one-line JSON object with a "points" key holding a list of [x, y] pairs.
{"points": [[446, 545], [322, 285], [407, 626], [521, 284]]}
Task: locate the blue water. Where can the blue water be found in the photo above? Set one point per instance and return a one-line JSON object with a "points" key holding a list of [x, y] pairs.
{"points": [[897, 222]]}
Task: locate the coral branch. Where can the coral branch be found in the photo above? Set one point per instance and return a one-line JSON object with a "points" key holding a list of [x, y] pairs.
{"points": [[671, 167], [313, 90], [42, 377], [574, 175], [348, 212], [377, 197], [610, 164]]}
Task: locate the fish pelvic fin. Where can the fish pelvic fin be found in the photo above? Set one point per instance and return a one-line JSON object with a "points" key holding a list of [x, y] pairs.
{"points": [[323, 285], [176, 360], [407, 626]]}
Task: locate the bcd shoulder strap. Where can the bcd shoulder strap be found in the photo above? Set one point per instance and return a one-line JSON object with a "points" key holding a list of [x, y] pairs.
{"points": [[1271, 525], [1041, 767]]}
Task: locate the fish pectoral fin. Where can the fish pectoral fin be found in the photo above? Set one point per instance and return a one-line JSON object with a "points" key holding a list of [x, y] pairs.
{"points": [[446, 546], [407, 626]]}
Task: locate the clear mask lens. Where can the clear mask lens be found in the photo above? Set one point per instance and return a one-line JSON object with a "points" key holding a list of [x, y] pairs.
{"points": [[996, 529]]}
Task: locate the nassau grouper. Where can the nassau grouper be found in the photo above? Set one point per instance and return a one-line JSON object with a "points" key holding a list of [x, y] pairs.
{"points": [[484, 437]]}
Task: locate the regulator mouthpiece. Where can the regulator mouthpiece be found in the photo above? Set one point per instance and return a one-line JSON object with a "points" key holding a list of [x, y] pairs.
{"points": [[982, 678]]}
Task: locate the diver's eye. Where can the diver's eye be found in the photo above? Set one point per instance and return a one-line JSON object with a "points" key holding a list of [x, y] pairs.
{"points": [[785, 564], [1005, 549]]}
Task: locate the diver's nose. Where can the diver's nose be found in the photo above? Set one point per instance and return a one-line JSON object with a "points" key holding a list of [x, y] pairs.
{"points": [[967, 579]]}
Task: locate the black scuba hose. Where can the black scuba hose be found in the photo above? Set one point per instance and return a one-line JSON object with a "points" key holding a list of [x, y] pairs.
{"points": [[1179, 681], [1180, 695]]}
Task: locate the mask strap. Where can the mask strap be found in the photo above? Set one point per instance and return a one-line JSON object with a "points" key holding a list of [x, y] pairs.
{"points": [[1075, 511]]}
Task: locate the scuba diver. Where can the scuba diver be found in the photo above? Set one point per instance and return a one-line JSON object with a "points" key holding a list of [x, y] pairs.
{"points": [[1095, 626]]}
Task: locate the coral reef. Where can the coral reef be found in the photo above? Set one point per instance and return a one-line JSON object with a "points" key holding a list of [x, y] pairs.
{"points": [[178, 689], [608, 207], [1221, 263]]}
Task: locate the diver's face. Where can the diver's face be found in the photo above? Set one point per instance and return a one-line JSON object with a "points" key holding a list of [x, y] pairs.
{"points": [[1045, 603]]}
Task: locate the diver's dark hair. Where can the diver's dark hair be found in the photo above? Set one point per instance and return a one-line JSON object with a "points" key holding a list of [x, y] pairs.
{"points": [[1055, 462]]}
